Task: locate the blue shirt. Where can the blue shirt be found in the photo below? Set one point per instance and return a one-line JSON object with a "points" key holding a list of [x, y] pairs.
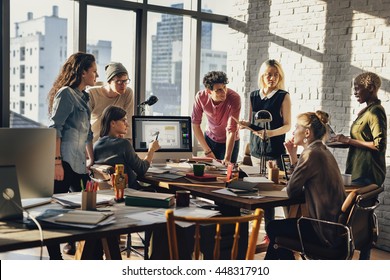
{"points": [[71, 118]]}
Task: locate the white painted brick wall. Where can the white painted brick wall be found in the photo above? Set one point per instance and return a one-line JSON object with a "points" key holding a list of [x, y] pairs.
{"points": [[322, 45]]}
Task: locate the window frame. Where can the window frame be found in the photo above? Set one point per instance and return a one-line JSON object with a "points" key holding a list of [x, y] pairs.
{"points": [[80, 42]]}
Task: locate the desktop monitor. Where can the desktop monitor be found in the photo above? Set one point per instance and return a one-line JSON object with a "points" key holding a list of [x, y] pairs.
{"points": [[174, 135], [32, 152]]}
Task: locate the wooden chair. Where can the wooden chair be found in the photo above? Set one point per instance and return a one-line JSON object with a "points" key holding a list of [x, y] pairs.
{"points": [[218, 221], [357, 227]]}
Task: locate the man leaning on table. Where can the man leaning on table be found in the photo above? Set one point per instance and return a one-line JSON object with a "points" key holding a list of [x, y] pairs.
{"points": [[219, 103]]}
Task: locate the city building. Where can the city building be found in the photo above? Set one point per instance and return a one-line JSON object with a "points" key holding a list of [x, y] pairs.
{"points": [[37, 53], [167, 61]]}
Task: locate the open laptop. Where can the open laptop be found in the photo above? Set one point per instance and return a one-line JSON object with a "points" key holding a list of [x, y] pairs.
{"points": [[31, 151]]}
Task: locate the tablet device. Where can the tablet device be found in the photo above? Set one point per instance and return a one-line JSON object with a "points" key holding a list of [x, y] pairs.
{"points": [[286, 165]]}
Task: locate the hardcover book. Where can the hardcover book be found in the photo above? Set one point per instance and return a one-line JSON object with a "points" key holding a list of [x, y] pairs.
{"points": [[204, 178], [149, 199]]}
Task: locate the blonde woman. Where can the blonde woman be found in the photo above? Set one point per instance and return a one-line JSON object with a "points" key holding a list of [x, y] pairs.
{"points": [[272, 97], [317, 177]]}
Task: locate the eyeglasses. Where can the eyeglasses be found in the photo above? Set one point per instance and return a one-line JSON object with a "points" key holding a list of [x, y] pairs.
{"points": [[122, 82]]}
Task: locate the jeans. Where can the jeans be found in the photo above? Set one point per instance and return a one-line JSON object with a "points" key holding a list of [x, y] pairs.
{"points": [[71, 183], [219, 149]]}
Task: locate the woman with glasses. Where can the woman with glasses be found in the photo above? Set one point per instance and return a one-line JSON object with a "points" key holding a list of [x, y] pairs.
{"points": [[317, 177], [112, 148], [115, 92]]}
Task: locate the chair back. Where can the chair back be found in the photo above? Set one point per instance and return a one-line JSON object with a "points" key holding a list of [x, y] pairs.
{"points": [[356, 226], [218, 222], [358, 214]]}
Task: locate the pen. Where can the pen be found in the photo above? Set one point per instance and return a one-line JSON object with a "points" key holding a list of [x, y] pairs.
{"points": [[157, 133]]}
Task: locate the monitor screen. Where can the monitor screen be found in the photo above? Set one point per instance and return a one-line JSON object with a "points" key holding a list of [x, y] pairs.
{"points": [[174, 135], [32, 152]]}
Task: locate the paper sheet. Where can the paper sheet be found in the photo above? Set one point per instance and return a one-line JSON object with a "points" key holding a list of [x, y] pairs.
{"points": [[226, 191], [74, 199]]}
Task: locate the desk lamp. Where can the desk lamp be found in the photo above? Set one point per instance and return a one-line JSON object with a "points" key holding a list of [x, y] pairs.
{"points": [[264, 118]]}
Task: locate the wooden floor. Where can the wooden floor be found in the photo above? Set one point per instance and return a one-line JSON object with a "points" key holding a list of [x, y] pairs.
{"points": [[34, 254]]}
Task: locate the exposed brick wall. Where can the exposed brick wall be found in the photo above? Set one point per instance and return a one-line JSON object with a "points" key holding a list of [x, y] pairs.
{"points": [[321, 45]]}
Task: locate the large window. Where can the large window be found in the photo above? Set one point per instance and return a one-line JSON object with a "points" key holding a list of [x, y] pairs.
{"points": [[167, 63], [215, 45], [111, 37], [156, 40], [41, 36], [177, 4], [216, 7]]}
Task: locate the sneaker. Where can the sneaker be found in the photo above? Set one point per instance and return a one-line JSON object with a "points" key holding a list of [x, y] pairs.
{"points": [[265, 240], [70, 248], [262, 247]]}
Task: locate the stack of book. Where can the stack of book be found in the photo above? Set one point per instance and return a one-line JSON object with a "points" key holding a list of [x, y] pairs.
{"points": [[149, 199], [204, 178], [75, 218]]}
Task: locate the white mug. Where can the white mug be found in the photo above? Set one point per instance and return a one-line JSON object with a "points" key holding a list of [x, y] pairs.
{"points": [[346, 179]]}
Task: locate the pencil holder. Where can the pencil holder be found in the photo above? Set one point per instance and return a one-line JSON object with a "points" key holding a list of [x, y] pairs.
{"points": [[273, 175], [88, 200]]}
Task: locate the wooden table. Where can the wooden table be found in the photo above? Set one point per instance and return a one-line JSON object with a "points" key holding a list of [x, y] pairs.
{"points": [[16, 235]]}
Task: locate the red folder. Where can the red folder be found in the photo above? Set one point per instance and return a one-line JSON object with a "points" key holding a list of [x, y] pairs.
{"points": [[204, 178]]}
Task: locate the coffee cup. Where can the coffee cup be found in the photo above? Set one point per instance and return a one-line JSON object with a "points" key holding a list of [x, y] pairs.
{"points": [[198, 169], [183, 198], [347, 179]]}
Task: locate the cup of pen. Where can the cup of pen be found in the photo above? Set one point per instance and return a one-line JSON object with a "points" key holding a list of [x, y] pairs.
{"points": [[88, 200], [88, 197], [273, 172]]}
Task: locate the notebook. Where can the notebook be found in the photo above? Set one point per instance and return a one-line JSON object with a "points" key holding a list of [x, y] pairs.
{"points": [[331, 142]]}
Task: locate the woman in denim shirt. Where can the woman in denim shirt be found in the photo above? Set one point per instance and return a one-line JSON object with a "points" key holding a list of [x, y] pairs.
{"points": [[70, 116]]}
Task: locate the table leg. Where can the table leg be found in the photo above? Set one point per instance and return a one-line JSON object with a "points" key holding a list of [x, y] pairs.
{"points": [[86, 250], [111, 248], [89, 249], [297, 210]]}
